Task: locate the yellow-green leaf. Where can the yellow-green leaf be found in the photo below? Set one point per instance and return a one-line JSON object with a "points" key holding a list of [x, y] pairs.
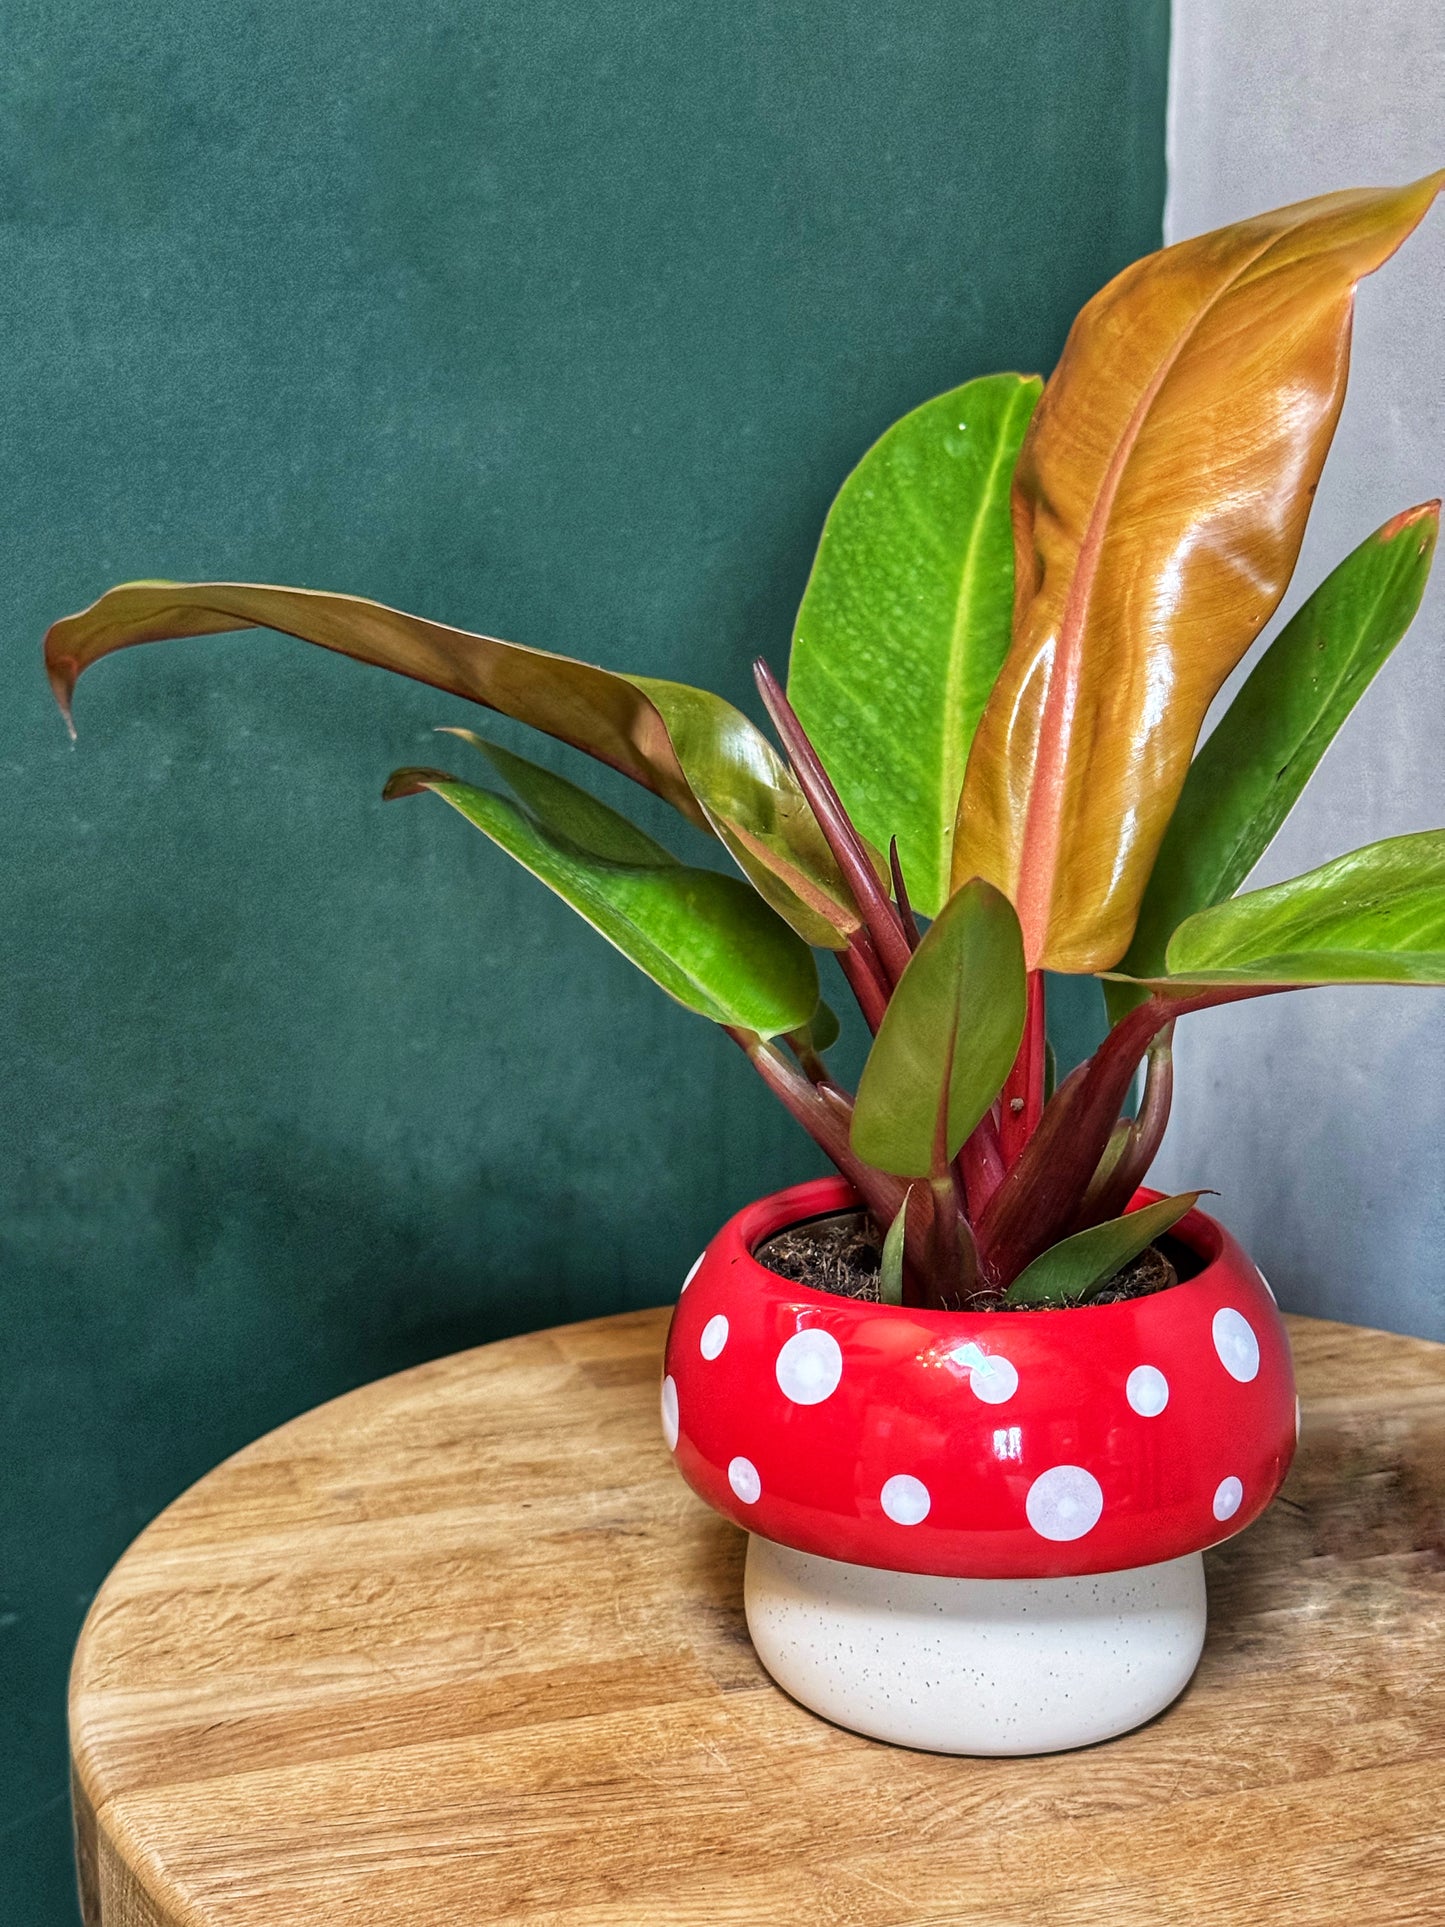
{"points": [[948, 1038], [1376, 916], [1068, 1272], [905, 620], [1253, 766], [707, 940], [890, 1270]]}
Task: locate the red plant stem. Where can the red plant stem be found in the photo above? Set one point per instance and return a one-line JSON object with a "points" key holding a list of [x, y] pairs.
{"points": [[952, 1262], [900, 896], [810, 1063], [1040, 1196], [967, 1262], [916, 1232], [1023, 1094], [880, 919], [824, 1115], [859, 964], [1036, 1039], [940, 1274], [1146, 1133], [980, 1165], [1108, 1163]]}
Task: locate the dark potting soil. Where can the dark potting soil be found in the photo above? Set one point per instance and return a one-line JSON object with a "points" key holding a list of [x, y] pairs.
{"points": [[842, 1254]]}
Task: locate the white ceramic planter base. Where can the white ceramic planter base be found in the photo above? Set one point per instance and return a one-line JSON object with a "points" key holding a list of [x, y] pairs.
{"points": [[983, 1666]]}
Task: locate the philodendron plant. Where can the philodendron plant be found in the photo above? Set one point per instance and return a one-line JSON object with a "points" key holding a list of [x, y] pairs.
{"points": [[1025, 599]]}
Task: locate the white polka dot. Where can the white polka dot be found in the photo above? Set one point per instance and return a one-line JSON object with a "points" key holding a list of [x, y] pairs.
{"points": [[1228, 1498], [810, 1366], [993, 1379], [669, 1412], [905, 1499], [1236, 1344], [1064, 1503], [696, 1267], [1147, 1390], [714, 1336], [744, 1480], [1267, 1285]]}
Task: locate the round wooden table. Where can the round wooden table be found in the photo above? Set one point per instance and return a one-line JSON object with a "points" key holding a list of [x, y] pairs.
{"points": [[461, 1648]]}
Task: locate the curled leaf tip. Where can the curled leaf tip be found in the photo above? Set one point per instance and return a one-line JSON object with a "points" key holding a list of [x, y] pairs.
{"points": [[411, 782], [763, 676], [64, 673], [1409, 518]]}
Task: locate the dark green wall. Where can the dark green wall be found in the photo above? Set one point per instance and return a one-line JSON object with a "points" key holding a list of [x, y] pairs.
{"points": [[562, 320]]}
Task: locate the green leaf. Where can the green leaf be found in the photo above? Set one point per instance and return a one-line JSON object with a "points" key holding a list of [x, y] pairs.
{"points": [[948, 1038], [905, 620], [1066, 1273], [708, 940], [1376, 916], [823, 1029], [751, 801], [689, 747], [890, 1275], [1251, 770]]}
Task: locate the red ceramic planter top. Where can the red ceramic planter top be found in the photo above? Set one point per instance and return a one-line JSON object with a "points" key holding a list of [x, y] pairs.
{"points": [[989, 1445]]}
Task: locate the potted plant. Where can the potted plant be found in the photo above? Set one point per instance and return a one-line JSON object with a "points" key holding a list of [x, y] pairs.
{"points": [[981, 1400]]}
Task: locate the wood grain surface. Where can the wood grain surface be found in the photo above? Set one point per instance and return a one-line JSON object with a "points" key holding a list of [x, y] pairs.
{"points": [[461, 1648]]}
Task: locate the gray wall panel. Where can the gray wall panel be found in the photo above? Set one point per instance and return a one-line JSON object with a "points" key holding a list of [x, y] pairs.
{"points": [[1321, 1117]]}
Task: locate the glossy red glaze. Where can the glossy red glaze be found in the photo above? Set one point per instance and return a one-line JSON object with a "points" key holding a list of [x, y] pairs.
{"points": [[1005, 1445]]}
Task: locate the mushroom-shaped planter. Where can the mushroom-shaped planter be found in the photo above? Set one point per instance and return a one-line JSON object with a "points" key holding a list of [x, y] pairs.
{"points": [[977, 1532]]}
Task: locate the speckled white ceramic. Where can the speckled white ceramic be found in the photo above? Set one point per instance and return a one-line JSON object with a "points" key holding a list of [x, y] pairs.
{"points": [[982, 1666]]}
